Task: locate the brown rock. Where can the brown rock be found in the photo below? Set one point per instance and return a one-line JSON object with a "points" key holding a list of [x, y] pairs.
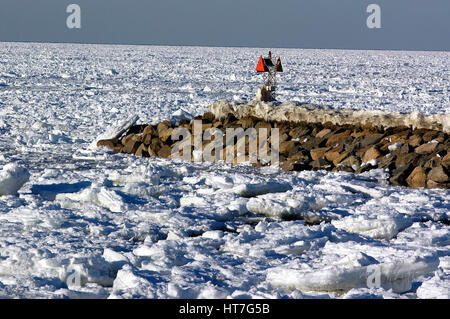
{"points": [[311, 142], [433, 184], [334, 153], [342, 168], [131, 146], [387, 162], [246, 122], [208, 117], [147, 139], [287, 165], [404, 149], [163, 125], [136, 129], [320, 164], [216, 124], [336, 138], [399, 175], [299, 131], [283, 137], [148, 130], [295, 166], [155, 146], [165, 133], [364, 168], [417, 178], [440, 138], [399, 137], [183, 122], [164, 151], [403, 159], [339, 158], [142, 151], [369, 140], [351, 161], [434, 161], [229, 120], [323, 132], [386, 144], [357, 134], [263, 124], [299, 155], [286, 147], [438, 175], [151, 152], [319, 152], [127, 138], [427, 148], [415, 140], [445, 162], [430, 135], [370, 154], [111, 143]]}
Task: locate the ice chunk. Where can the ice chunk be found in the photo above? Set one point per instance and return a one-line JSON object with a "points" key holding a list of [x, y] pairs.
{"points": [[12, 178], [101, 196], [438, 287], [397, 276], [83, 270], [379, 227], [276, 207], [129, 283], [251, 190]]}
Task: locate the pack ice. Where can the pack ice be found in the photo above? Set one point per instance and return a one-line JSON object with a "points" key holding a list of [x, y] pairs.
{"points": [[82, 222]]}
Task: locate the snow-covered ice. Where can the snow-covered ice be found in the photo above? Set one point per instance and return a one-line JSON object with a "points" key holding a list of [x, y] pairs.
{"points": [[81, 222], [12, 178]]}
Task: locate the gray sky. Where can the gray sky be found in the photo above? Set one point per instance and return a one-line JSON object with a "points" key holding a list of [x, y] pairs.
{"points": [[405, 24]]}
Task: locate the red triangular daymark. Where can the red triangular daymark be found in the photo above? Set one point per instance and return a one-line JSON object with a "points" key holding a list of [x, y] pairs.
{"points": [[261, 67]]}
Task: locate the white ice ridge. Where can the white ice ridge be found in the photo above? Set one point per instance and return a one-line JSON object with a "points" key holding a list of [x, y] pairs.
{"points": [[297, 112]]}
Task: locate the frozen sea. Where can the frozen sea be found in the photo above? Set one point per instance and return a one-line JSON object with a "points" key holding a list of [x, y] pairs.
{"points": [[80, 222]]}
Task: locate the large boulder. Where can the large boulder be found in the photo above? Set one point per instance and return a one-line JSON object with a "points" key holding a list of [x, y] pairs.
{"points": [[438, 175], [427, 148], [417, 178]]}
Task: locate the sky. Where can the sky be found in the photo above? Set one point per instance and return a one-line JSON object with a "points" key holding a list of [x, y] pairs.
{"points": [[341, 24]]}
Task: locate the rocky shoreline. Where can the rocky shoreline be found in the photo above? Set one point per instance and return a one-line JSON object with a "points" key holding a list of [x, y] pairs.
{"points": [[414, 157]]}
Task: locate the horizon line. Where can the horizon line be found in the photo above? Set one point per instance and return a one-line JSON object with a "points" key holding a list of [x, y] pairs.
{"points": [[222, 46]]}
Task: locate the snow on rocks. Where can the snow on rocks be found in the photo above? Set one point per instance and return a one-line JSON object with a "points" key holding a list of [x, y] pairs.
{"points": [[296, 112], [12, 178], [117, 130]]}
